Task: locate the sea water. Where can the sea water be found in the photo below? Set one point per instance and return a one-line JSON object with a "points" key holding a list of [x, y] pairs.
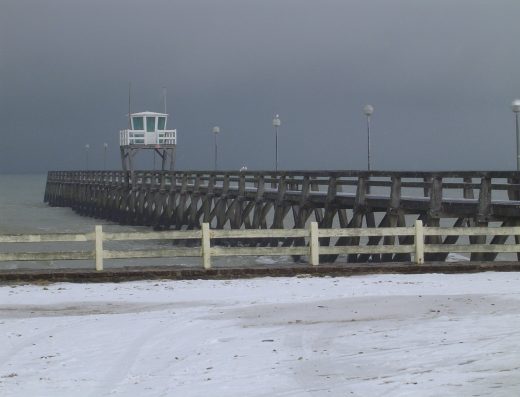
{"points": [[22, 211]]}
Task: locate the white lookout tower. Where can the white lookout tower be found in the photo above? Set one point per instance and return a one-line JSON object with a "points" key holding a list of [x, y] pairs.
{"points": [[148, 131]]}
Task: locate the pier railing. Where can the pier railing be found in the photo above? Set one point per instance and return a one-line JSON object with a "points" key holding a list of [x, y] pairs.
{"points": [[309, 238]]}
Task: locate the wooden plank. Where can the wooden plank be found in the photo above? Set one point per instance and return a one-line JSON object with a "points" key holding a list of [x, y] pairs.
{"points": [[162, 253], [206, 246], [99, 247], [258, 233], [259, 251], [419, 242], [367, 232], [46, 256], [498, 248], [314, 244], [165, 235], [372, 249], [50, 237], [472, 231]]}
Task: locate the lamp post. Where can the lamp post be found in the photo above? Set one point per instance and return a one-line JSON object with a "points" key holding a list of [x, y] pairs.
{"points": [[87, 147], [216, 131], [515, 107], [105, 147], [276, 124], [368, 110]]}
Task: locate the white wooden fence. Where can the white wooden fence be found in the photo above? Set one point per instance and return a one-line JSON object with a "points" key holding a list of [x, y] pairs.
{"points": [[206, 251]]}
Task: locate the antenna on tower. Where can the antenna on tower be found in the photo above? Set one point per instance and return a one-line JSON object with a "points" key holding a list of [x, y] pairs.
{"points": [[129, 110], [164, 98]]}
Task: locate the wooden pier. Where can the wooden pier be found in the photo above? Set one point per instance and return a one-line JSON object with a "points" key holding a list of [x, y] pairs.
{"points": [[277, 200]]}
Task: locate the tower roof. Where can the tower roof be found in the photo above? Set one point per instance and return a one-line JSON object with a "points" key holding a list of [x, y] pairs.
{"points": [[147, 113]]}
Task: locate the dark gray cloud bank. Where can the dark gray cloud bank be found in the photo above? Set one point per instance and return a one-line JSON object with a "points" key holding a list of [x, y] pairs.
{"points": [[441, 75]]}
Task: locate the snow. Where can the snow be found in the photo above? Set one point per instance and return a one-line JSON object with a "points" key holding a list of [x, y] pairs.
{"points": [[454, 257], [383, 335]]}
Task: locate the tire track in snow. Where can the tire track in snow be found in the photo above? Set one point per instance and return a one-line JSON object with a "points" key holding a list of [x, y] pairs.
{"points": [[18, 348], [121, 368]]}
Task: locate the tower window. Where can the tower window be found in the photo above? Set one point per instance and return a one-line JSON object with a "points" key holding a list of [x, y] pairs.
{"points": [[161, 123], [137, 123]]}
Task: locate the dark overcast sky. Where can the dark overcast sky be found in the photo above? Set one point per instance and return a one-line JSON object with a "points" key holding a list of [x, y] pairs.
{"points": [[441, 75]]}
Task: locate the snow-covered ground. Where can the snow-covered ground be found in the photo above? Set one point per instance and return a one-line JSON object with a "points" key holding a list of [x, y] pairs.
{"points": [[384, 335]]}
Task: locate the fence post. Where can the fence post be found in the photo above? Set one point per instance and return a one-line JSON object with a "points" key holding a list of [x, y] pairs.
{"points": [[206, 247], [99, 247], [419, 242], [314, 245]]}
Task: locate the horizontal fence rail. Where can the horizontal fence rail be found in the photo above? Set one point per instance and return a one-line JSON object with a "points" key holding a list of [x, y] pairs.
{"points": [[312, 249]]}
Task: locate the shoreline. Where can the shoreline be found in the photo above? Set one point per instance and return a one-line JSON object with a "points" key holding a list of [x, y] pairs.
{"points": [[179, 272]]}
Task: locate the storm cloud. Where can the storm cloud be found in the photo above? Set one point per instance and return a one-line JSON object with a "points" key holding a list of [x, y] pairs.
{"points": [[440, 74]]}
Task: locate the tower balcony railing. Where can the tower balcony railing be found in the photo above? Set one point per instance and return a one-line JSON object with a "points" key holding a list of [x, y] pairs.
{"points": [[136, 137]]}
